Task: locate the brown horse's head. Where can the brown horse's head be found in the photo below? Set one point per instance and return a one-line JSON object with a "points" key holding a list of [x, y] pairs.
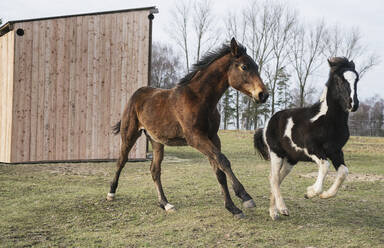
{"points": [[243, 74]]}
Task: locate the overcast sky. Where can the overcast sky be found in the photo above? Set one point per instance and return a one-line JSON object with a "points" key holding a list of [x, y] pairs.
{"points": [[366, 15]]}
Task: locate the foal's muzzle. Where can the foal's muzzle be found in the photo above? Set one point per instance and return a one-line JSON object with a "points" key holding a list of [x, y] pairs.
{"points": [[263, 96]]}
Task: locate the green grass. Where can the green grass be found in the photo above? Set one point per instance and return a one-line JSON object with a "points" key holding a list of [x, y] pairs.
{"points": [[63, 205]]}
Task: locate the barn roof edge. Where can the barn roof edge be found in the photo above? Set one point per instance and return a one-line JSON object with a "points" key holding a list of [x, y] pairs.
{"points": [[9, 24]]}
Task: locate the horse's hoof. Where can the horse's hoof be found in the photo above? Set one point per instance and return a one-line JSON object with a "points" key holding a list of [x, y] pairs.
{"points": [[110, 196], [274, 214], [325, 195], [239, 215], [274, 217], [309, 195], [284, 212], [249, 204], [169, 208], [311, 192]]}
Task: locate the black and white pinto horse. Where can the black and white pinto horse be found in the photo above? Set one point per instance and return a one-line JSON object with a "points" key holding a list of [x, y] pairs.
{"points": [[314, 133]]}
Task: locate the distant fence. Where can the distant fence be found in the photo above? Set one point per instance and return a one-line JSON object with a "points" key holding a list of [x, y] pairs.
{"points": [[366, 128], [356, 128]]}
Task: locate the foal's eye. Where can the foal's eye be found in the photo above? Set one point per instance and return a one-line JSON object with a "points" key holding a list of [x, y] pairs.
{"points": [[244, 67]]}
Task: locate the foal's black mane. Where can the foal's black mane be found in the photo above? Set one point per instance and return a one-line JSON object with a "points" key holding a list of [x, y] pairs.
{"points": [[208, 59]]}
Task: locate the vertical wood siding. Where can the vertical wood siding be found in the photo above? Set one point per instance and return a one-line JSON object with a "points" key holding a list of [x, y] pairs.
{"points": [[6, 93], [72, 79]]}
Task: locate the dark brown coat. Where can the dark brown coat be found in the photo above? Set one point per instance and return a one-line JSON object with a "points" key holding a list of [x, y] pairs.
{"points": [[187, 115]]}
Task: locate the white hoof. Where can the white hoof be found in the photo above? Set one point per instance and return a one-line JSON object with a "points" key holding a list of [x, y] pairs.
{"points": [[326, 195], [311, 192], [169, 208], [274, 214], [110, 196], [284, 211], [249, 204]]}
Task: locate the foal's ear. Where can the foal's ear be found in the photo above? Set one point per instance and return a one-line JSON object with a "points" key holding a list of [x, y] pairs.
{"points": [[331, 62], [234, 47], [352, 64]]}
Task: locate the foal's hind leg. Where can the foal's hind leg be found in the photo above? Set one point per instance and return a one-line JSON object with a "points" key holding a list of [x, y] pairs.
{"points": [[284, 171], [206, 146], [276, 165], [158, 154], [129, 138]]}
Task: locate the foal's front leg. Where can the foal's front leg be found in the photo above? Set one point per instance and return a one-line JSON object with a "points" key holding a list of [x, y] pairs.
{"points": [[247, 203], [317, 187], [342, 173], [222, 178], [203, 144]]}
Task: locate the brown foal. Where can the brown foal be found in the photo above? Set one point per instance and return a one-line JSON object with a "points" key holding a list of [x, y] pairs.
{"points": [[187, 115]]}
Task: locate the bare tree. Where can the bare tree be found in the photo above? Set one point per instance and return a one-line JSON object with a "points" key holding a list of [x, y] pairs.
{"points": [[258, 21], [306, 47], [236, 27], [284, 21], [203, 26], [180, 28], [268, 34], [165, 68], [347, 43], [259, 24]]}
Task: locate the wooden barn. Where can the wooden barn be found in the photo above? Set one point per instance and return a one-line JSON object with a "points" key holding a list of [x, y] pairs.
{"points": [[65, 80]]}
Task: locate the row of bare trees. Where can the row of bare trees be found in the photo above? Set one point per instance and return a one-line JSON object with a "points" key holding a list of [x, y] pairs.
{"points": [[291, 53], [368, 120]]}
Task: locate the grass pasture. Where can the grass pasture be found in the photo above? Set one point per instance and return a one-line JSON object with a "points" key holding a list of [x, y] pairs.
{"points": [[63, 205]]}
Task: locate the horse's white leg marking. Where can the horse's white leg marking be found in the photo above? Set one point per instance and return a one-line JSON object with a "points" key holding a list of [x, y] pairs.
{"points": [[317, 188], [276, 163], [274, 181], [168, 207], [284, 171], [342, 174], [110, 196], [274, 177], [323, 106]]}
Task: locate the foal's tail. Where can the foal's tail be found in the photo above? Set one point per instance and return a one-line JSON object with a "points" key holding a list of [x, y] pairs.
{"points": [[116, 128], [259, 144]]}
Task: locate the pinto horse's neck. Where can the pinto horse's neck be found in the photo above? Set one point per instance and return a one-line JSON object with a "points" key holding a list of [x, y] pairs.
{"points": [[334, 112], [210, 84]]}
